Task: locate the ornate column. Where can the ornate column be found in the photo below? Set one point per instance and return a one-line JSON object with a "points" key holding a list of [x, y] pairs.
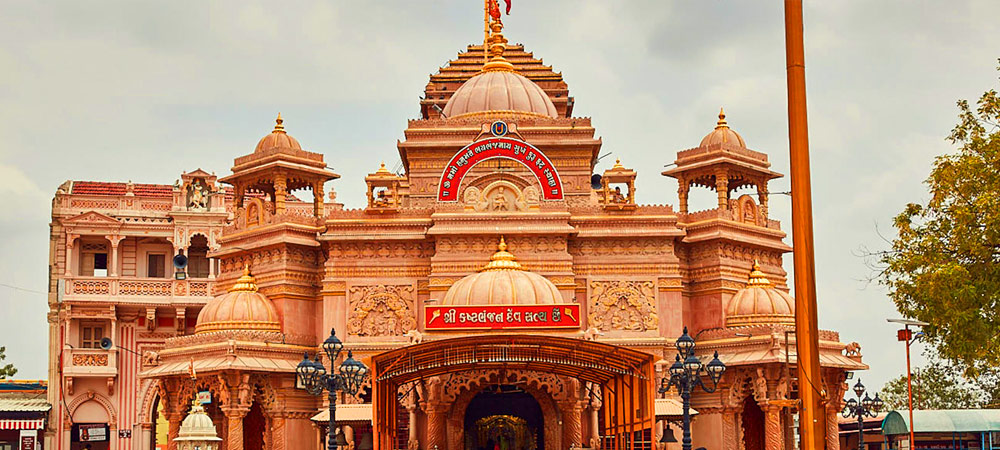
{"points": [[173, 427], [280, 193], [211, 268], [436, 423], [318, 199], [594, 416], [572, 428], [70, 239], [234, 427], [683, 187], [412, 441], [729, 429], [456, 430], [113, 266], [773, 437], [722, 188], [277, 430], [832, 430]]}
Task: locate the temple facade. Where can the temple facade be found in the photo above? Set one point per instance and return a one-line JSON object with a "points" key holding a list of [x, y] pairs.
{"points": [[503, 294]]}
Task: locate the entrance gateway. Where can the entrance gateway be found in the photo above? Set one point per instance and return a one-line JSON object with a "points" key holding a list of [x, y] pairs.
{"points": [[513, 392]]}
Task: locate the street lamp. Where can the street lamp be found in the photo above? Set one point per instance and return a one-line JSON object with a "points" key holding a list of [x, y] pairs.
{"points": [[312, 376], [906, 335], [685, 375], [861, 408]]}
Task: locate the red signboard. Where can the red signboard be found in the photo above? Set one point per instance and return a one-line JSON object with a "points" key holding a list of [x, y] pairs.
{"points": [[492, 317], [499, 147]]}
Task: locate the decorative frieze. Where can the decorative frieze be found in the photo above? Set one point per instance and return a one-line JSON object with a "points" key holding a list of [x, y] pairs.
{"points": [[381, 310], [623, 305]]}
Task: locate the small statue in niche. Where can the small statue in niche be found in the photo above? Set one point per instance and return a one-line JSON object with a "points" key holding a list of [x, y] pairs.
{"points": [[381, 199], [616, 196], [500, 201], [197, 195]]}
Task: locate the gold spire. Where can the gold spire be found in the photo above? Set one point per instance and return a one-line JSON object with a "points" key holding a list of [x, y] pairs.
{"points": [[246, 283], [382, 170], [502, 259], [618, 165], [757, 278], [496, 47], [278, 127], [722, 119]]}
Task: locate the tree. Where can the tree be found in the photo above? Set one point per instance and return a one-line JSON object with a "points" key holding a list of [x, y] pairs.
{"points": [[944, 265], [935, 386], [8, 370]]}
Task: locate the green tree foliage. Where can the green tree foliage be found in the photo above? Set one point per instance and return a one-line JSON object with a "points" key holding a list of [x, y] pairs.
{"points": [[944, 266], [937, 385], [8, 370]]}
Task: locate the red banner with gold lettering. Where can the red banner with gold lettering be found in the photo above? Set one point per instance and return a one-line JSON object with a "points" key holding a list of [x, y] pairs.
{"points": [[493, 317], [499, 147]]}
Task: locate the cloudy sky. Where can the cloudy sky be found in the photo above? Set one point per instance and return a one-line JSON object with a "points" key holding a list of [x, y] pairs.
{"points": [[119, 90]]}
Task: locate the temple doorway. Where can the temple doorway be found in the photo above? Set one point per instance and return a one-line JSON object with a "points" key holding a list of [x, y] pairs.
{"points": [[753, 425], [504, 417], [254, 425]]}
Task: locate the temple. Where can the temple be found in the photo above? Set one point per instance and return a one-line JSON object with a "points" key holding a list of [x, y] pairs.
{"points": [[501, 291]]}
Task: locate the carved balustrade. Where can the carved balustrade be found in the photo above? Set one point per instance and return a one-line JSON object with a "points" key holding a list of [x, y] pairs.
{"points": [[90, 362], [159, 289]]}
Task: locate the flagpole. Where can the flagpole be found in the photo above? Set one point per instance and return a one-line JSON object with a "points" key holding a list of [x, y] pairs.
{"points": [[812, 420], [486, 31]]}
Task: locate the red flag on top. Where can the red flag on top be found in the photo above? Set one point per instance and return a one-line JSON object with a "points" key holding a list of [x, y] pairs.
{"points": [[494, 10], [508, 6]]}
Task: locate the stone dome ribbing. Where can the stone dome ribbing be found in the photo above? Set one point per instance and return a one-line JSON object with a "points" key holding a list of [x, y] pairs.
{"points": [[278, 138], [723, 135], [242, 308], [760, 303], [501, 91]]}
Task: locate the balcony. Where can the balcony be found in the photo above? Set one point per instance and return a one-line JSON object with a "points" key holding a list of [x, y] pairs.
{"points": [[90, 362], [139, 290]]}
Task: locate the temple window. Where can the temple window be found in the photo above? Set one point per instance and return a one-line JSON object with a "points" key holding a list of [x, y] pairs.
{"points": [[383, 190], [91, 335], [94, 263], [618, 188], [156, 265]]}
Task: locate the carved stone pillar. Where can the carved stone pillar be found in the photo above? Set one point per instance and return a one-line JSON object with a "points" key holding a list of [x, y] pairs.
{"points": [[436, 424], [70, 239], [173, 428], [456, 433], [280, 194], [729, 430], [234, 427], [572, 425], [762, 198], [683, 187], [277, 431], [722, 188], [832, 430], [318, 198], [773, 437], [412, 441], [113, 266]]}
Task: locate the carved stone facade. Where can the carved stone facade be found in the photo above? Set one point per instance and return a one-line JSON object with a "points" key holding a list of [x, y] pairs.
{"points": [[381, 310], [623, 305]]}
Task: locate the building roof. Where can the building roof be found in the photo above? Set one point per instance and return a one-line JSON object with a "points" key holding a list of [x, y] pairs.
{"points": [[105, 188], [942, 421]]}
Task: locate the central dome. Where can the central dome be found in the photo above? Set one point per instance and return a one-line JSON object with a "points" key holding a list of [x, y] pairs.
{"points": [[500, 91], [760, 303], [502, 282], [278, 138]]}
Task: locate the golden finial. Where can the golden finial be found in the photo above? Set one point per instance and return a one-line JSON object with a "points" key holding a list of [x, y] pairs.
{"points": [[495, 47], [618, 165], [382, 170], [278, 127], [502, 259], [722, 119], [246, 282], [757, 278]]}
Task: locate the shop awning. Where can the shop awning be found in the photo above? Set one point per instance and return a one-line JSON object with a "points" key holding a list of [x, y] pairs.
{"points": [[244, 363], [942, 421], [347, 413], [18, 424]]}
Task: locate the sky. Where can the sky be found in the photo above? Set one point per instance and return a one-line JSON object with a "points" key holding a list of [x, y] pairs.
{"points": [[143, 91]]}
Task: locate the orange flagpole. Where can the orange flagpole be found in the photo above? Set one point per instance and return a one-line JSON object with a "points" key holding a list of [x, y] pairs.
{"points": [[486, 31], [812, 420]]}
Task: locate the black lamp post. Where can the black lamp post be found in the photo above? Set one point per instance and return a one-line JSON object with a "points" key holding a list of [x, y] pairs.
{"points": [[685, 375], [861, 408], [313, 377]]}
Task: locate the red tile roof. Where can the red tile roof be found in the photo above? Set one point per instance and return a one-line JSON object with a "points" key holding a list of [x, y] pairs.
{"points": [[103, 188]]}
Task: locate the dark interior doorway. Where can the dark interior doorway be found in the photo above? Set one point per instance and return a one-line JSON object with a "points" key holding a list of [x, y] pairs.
{"points": [[753, 425], [254, 426], [504, 417]]}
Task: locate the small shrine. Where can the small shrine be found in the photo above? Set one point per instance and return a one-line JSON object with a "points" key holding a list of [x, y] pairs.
{"points": [[384, 190], [197, 431], [612, 182]]}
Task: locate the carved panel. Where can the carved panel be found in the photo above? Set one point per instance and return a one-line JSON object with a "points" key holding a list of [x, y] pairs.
{"points": [[621, 247], [623, 305], [381, 310], [85, 359]]}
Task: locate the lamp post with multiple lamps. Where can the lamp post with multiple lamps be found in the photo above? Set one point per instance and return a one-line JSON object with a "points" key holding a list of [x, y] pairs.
{"points": [[861, 408], [313, 377], [686, 374]]}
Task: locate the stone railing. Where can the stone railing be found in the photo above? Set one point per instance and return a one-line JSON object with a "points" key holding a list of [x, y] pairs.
{"points": [[93, 362], [159, 288]]}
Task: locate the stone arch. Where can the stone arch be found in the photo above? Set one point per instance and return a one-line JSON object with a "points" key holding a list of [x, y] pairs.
{"points": [[518, 151], [148, 391], [100, 400], [529, 381]]}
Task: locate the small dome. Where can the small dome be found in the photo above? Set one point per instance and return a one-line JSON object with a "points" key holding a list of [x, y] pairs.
{"points": [[242, 308], [278, 138], [197, 426], [502, 282], [760, 303], [499, 91], [723, 135]]}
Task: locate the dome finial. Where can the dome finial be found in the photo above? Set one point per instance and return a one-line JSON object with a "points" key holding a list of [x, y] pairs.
{"points": [[495, 47], [502, 259], [618, 164], [722, 119], [278, 127], [757, 278], [246, 282]]}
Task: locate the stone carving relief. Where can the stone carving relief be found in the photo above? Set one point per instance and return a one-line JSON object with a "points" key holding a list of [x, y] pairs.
{"points": [[381, 310], [501, 196], [623, 305], [197, 195], [621, 247]]}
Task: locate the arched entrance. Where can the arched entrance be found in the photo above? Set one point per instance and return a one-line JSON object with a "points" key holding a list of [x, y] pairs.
{"points": [[752, 418], [504, 417], [254, 426]]}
